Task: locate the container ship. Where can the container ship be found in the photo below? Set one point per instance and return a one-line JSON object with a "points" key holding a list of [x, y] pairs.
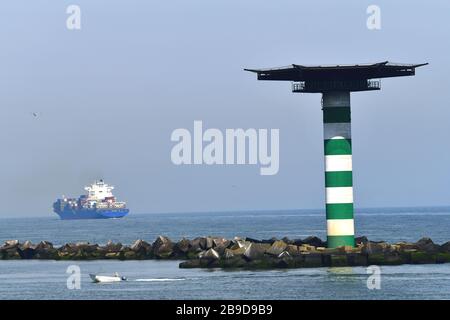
{"points": [[98, 203]]}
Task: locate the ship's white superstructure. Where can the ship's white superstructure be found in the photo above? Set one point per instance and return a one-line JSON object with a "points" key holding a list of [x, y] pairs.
{"points": [[99, 191]]}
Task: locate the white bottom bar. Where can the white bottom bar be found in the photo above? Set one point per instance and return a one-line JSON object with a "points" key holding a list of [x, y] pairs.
{"points": [[340, 227], [339, 195], [338, 163]]}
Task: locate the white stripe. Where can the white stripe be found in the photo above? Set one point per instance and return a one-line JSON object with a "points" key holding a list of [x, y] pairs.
{"points": [[340, 227], [338, 163], [332, 130], [339, 195]]}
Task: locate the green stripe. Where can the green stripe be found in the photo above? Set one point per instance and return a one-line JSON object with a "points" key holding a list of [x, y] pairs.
{"points": [[339, 241], [338, 147], [336, 114], [338, 179], [339, 211]]}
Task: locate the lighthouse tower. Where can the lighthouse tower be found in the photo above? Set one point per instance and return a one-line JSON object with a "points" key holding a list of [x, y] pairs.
{"points": [[335, 83]]}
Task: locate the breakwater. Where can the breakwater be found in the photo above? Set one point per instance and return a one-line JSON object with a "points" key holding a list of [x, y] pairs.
{"points": [[218, 252]]}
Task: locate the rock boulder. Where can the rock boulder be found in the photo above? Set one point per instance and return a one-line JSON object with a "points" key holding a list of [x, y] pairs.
{"points": [[162, 247], [277, 248], [256, 251]]}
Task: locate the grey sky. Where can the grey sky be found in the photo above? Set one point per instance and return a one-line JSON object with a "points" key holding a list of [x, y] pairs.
{"points": [[109, 96]]}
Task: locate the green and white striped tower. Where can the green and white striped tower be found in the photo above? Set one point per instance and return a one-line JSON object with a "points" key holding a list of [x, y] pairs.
{"points": [[338, 169], [336, 83]]}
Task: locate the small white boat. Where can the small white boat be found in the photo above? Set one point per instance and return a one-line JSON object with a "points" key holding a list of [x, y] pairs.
{"points": [[114, 278]]}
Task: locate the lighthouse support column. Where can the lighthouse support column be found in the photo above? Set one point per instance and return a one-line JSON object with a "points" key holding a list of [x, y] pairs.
{"points": [[338, 169]]}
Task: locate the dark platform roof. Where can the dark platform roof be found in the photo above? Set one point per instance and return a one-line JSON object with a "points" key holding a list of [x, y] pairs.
{"points": [[298, 72]]}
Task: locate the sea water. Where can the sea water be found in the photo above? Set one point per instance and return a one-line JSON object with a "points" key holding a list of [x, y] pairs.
{"points": [[152, 279]]}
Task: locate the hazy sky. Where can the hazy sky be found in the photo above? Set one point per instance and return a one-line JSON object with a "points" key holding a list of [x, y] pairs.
{"points": [[108, 97]]}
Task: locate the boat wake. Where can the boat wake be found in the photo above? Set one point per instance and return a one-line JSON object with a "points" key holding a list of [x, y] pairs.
{"points": [[159, 279]]}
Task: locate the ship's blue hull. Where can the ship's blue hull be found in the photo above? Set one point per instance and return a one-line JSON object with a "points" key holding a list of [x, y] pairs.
{"points": [[71, 214]]}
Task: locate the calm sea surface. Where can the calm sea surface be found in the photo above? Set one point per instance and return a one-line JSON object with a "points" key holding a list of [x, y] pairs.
{"points": [[164, 280]]}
